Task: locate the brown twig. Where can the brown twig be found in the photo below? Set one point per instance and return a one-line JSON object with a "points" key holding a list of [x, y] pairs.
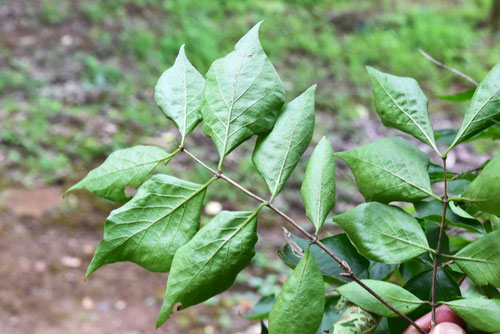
{"points": [[438, 248], [440, 64], [313, 239]]}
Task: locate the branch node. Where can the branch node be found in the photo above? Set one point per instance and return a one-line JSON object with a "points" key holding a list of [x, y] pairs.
{"points": [[218, 174], [181, 148]]}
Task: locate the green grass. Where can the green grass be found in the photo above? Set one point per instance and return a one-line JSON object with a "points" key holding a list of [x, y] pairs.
{"points": [[129, 43]]}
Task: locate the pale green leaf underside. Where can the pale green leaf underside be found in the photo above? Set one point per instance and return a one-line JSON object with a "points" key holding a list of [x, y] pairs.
{"points": [[148, 230], [178, 94], [243, 95], [390, 169], [209, 263], [277, 153], [318, 187], [399, 298], [124, 167], [299, 307], [484, 108], [383, 233], [479, 312], [484, 192], [480, 260], [402, 105]]}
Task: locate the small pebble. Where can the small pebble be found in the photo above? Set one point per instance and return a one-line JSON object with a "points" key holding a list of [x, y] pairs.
{"points": [[71, 262], [87, 303]]}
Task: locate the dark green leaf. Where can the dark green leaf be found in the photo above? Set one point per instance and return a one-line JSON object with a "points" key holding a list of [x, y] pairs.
{"points": [[261, 309], [398, 297], [318, 187], [484, 192], [243, 95], [484, 108], [413, 267], [481, 260], [148, 230], [129, 166], [479, 312], [383, 233], [433, 210], [340, 245], [445, 136], [178, 94], [355, 320], [436, 173], [263, 328], [381, 271], [401, 104], [277, 153], [209, 263], [458, 97], [330, 315], [457, 187], [390, 169], [446, 287], [300, 305]]}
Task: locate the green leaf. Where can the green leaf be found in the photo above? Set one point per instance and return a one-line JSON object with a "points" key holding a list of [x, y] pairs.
{"points": [[381, 271], [300, 305], [318, 187], [479, 312], [436, 173], [277, 153], [484, 108], [330, 315], [402, 105], [433, 210], [129, 166], [340, 245], [399, 298], [242, 97], [445, 136], [355, 320], [390, 169], [480, 260], [446, 287], [261, 309], [148, 230], [383, 233], [484, 192], [178, 94], [458, 97], [209, 263], [495, 222]]}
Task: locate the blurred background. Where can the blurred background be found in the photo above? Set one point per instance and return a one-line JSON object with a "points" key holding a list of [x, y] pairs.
{"points": [[76, 83]]}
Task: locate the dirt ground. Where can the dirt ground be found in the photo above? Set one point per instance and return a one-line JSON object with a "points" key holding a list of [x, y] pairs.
{"points": [[45, 249]]}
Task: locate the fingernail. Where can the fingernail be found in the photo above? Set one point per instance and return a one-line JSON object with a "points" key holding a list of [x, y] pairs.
{"points": [[447, 328]]}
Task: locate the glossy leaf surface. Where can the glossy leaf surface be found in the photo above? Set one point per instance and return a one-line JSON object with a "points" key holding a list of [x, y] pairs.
{"points": [[300, 305], [209, 263], [318, 187], [383, 233], [479, 312], [480, 260], [243, 95], [340, 245], [484, 192], [401, 104], [390, 169], [277, 153], [129, 166], [433, 210], [148, 230], [178, 94], [484, 108], [398, 297]]}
